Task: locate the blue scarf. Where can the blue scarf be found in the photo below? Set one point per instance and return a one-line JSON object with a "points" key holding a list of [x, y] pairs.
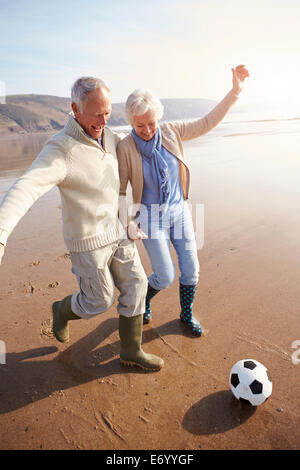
{"points": [[152, 151]]}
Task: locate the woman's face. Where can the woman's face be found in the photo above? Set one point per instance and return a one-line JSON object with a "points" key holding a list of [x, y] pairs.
{"points": [[145, 125]]}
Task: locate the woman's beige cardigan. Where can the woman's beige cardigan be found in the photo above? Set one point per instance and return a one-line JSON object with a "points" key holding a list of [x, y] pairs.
{"points": [[173, 134]]}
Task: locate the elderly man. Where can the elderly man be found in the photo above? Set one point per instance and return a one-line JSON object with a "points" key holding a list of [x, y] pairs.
{"points": [[81, 161]]}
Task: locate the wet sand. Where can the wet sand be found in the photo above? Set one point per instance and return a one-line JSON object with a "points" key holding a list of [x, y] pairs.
{"points": [[78, 396]]}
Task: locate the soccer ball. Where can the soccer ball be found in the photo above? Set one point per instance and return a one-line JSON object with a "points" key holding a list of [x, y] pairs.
{"points": [[250, 382]]}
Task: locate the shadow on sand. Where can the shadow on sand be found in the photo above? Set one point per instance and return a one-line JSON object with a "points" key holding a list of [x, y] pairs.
{"points": [[27, 377], [217, 413]]}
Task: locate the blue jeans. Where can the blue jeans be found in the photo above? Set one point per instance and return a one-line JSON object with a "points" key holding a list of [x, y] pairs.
{"points": [[177, 228]]}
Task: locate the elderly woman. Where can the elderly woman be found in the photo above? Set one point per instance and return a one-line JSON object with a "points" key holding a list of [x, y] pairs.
{"points": [[151, 157]]}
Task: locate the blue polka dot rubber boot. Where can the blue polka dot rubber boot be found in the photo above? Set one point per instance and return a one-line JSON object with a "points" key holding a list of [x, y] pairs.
{"points": [[147, 317], [187, 296]]}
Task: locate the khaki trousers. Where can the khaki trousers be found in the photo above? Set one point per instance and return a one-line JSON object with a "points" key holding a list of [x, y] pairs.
{"points": [[98, 273]]}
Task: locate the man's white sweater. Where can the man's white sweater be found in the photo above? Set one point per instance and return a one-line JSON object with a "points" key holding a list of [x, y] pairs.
{"points": [[87, 177]]}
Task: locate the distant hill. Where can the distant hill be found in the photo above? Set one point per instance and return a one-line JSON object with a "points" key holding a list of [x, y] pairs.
{"points": [[43, 113]]}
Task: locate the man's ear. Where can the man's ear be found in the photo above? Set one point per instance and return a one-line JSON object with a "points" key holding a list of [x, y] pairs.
{"points": [[75, 109]]}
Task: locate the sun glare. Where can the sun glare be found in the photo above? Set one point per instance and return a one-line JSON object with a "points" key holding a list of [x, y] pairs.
{"points": [[276, 85]]}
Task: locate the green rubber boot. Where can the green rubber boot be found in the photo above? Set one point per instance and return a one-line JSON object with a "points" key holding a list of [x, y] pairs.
{"points": [[62, 313], [131, 353]]}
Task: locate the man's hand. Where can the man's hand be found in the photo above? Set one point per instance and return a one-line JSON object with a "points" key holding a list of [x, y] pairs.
{"points": [[239, 74], [2, 247], [134, 232]]}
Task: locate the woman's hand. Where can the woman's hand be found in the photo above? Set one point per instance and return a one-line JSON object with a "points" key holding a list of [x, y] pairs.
{"points": [[134, 232], [239, 74]]}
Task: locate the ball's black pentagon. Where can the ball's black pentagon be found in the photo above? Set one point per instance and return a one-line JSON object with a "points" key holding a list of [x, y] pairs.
{"points": [[256, 387], [234, 380], [246, 402], [268, 375], [249, 365]]}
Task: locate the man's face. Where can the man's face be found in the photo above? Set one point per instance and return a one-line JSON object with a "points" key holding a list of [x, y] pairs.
{"points": [[94, 112]]}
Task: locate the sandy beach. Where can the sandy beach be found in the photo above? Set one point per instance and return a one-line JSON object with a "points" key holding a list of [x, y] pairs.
{"points": [[78, 396]]}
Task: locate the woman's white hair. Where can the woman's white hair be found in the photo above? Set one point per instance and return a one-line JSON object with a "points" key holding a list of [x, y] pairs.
{"points": [[139, 102], [85, 85]]}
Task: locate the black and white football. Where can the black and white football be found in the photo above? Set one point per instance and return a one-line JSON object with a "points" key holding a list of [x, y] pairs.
{"points": [[250, 382]]}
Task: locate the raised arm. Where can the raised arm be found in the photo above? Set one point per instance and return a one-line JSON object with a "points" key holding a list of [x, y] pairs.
{"points": [[195, 128]]}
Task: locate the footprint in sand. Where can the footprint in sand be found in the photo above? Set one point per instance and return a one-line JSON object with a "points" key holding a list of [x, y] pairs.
{"points": [[53, 284], [46, 328], [30, 288], [35, 263], [65, 256]]}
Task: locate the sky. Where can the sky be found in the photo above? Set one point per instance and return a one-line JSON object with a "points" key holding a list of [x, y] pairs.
{"points": [[179, 49]]}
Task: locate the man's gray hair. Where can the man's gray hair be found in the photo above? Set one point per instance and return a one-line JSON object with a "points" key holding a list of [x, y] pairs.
{"points": [[140, 101], [85, 85]]}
